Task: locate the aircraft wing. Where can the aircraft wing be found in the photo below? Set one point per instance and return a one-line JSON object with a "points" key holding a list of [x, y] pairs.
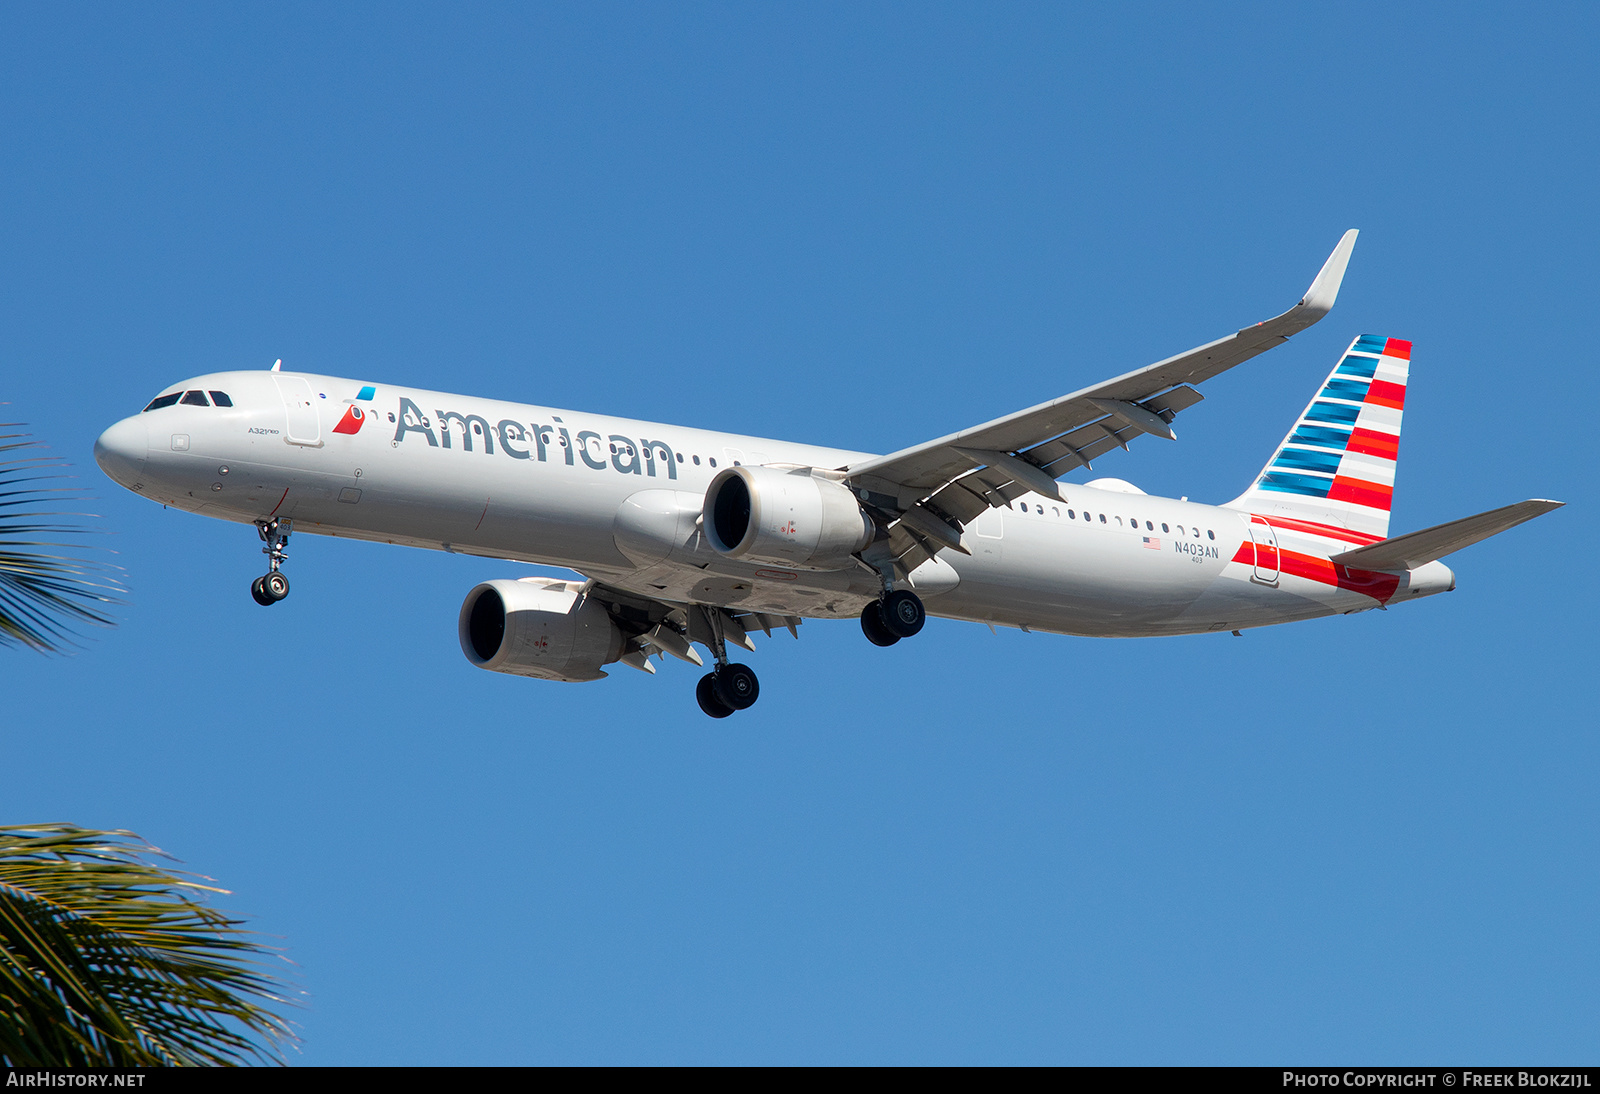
{"points": [[654, 627], [931, 490]]}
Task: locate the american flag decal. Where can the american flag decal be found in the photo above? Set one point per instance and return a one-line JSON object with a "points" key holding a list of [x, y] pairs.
{"points": [[1153, 544]]}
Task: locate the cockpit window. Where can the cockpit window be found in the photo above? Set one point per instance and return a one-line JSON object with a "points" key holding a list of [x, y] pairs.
{"points": [[221, 398], [164, 401], [195, 398]]}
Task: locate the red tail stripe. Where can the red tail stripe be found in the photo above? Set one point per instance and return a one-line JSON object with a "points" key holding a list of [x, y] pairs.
{"points": [[1361, 492], [1369, 442], [1398, 347], [1383, 393]]}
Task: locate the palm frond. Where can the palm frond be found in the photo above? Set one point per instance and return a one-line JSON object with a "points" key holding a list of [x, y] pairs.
{"points": [[44, 593], [107, 959]]}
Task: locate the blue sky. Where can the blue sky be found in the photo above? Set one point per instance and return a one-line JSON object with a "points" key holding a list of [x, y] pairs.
{"points": [[1368, 838]]}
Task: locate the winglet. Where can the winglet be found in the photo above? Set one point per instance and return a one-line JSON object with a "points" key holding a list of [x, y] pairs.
{"points": [[1324, 290]]}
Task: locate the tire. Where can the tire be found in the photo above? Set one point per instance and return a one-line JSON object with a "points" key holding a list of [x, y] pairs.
{"points": [[873, 627], [736, 685], [707, 697], [275, 585], [903, 615], [260, 595]]}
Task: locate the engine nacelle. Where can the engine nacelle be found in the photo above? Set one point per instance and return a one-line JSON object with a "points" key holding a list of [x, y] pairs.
{"points": [[538, 627], [792, 518]]}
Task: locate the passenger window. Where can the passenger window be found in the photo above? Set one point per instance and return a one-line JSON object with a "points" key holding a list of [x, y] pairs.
{"points": [[696, 460], [1197, 533], [1210, 534], [1071, 515], [1102, 518], [1119, 522], [195, 398], [680, 457], [712, 460], [164, 401], [221, 398], [1148, 527], [1164, 527], [1180, 529]]}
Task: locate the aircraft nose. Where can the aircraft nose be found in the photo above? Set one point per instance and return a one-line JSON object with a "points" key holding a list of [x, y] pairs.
{"points": [[121, 450]]}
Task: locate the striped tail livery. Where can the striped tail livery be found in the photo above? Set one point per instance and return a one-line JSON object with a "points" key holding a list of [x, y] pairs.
{"points": [[1336, 466]]}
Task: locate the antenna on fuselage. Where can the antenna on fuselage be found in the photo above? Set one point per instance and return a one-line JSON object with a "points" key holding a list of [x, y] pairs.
{"points": [[276, 365]]}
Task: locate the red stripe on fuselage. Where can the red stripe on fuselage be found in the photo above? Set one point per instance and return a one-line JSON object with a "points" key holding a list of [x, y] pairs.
{"points": [[1369, 442], [1367, 582], [1324, 571], [1316, 529]]}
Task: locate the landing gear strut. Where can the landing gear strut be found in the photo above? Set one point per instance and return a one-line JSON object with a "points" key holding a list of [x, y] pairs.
{"points": [[897, 615], [272, 586], [730, 686]]}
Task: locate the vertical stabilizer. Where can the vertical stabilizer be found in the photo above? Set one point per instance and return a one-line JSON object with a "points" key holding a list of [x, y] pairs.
{"points": [[1337, 464]]}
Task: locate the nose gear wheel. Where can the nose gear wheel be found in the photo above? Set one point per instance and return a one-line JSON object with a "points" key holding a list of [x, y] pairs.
{"points": [[272, 586]]}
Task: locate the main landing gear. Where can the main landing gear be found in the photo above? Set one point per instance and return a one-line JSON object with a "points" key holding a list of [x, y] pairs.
{"points": [[730, 686], [272, 586], [726, 689], [897, 615]]}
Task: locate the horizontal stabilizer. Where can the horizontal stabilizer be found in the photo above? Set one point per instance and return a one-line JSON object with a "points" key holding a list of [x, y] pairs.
{"points": [[1414, 549]]}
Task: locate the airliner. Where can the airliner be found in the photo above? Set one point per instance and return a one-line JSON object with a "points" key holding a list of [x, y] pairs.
{"points": [[685, 538]]}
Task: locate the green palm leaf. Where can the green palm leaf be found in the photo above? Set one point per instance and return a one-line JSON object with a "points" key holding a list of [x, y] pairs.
{"points": [[108, 959], [43, 593]]}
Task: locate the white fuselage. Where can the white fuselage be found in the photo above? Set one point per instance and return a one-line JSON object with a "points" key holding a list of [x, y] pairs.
{"points": [[591, 492]]}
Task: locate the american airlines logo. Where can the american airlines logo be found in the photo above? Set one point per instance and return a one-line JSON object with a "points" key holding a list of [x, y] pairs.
{"points": [[352, 421], [534, 441]]}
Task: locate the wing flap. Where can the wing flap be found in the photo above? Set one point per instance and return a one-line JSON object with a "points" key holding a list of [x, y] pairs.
{"points": [[1415, 549]]}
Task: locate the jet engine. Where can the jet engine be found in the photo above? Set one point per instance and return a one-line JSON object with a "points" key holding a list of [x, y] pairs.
{"points": [[538, 627], [791, 518]]}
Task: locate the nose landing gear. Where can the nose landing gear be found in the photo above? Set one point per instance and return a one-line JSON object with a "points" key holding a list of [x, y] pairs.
{"points": [[272, 586]]}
